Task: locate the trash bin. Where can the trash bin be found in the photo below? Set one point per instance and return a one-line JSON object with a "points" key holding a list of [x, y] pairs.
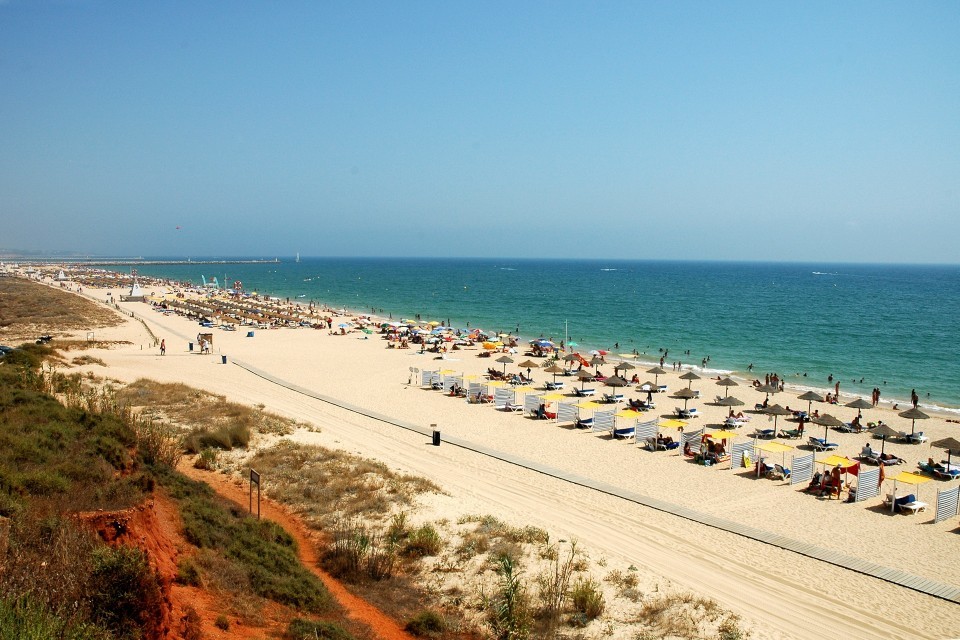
{"points": [[191, 346], [436, 438], [223, 359]]}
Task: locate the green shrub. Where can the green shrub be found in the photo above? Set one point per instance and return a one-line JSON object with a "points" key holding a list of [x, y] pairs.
{"points": [[191, 627], [587, 598], [208, 459], [426, 624], [188, 573], [126, 595], [300, 629], [424, 541], [222, 623], [25, 618], [508, 609]]}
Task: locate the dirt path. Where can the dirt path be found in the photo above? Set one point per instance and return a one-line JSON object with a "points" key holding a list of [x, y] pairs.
{"points": [[382, 626]]}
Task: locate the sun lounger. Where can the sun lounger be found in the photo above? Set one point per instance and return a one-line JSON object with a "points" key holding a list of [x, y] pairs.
{"points": [[907, 503], [939, 473], [918, 438], [626, 432], [583, 393], [790, 433], [583, 423], [876, 460], [779, 473], [821, 445], [553, 386], [766, 434], [513, 407], [612, 398], [733, 423]]}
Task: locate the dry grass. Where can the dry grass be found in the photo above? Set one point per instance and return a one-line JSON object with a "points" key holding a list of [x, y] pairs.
{"points": [[682, 615], [199, 410], [82, 360], [29, 309], [326, 485]]}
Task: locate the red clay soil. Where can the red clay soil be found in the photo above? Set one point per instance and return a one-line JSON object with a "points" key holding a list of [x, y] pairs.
{"points": [[381, 625], [155, 528]]}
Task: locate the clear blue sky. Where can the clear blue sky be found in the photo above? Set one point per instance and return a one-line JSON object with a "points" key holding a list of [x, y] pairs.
{"points": [[823, 131]]}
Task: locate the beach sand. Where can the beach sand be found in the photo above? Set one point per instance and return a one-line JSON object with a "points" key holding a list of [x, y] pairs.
{"points": [[778, 593]]}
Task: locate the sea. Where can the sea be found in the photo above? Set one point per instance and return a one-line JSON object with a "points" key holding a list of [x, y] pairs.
{"points": [[892, 327]]}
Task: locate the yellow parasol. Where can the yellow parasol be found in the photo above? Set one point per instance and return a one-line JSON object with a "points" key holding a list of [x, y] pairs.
{"points": [[672, 424], [834, 460], [722, 434], [588, 404], [774, 447]]}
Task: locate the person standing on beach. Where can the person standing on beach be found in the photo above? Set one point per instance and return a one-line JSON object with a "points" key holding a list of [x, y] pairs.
{"points": [[914, 398], [163, 347]]}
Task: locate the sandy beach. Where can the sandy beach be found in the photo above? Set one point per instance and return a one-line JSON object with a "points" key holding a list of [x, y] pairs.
{"points": [[778, 593]]}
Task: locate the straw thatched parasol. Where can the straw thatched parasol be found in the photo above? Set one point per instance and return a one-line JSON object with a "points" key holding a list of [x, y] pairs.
{"points": [[810, 397], [505, 360], [950, 444], [883, 432], [768, 389], [726, 383], [686, 395], [657, 372], [729, 401], [827, 421], [583, 376], [554, 369], [859, 404], [528, 364], [914, 414], [689, 376], [776, 411]]}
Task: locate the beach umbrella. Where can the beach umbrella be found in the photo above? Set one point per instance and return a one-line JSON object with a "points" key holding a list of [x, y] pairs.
{"points": [[626, 366], [827, 421], [583, 376], [686, 395], [859, 404], [726, 383], [596, 361], [505, 360], [528, 364], [905, 477], [810, 397], [657, 372], [616, 381], [554, 369], [950, 444], [689, 376], [914, 414], [883, 432], [776, 411], [729, 401], [768, 389]]}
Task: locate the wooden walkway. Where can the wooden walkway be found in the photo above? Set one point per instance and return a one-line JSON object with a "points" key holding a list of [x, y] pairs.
{"points": [[836, 558]]}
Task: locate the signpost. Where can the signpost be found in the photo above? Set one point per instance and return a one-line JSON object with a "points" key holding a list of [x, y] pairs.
{"points": [[255, 478]]}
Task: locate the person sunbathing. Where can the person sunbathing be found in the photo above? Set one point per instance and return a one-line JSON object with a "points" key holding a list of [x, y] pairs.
{"points": [[936, 466], [890, 456]]}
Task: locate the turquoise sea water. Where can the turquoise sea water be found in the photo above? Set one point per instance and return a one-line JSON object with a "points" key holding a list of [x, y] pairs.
{"points": [[896, 327]]}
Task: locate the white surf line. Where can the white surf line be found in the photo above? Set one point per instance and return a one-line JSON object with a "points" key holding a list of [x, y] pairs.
{"points": [[933, 588]]}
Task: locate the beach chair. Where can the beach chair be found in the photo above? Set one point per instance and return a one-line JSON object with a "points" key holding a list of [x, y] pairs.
{"points": [[790, 434], [765, 434], [918, 438], [583, 393], [821, 445], [626, 432], [515, 408], [939, 473], [779, 472], [583, 423], [683, 414], [553, 386], [612, 398]]}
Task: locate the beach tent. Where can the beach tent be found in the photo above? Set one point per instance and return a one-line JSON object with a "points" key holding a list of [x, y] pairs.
{"points": [[773, 447], [905, 477]]}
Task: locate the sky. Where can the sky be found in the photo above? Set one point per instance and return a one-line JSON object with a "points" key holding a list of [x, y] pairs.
{"points": [[772, 130]]}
